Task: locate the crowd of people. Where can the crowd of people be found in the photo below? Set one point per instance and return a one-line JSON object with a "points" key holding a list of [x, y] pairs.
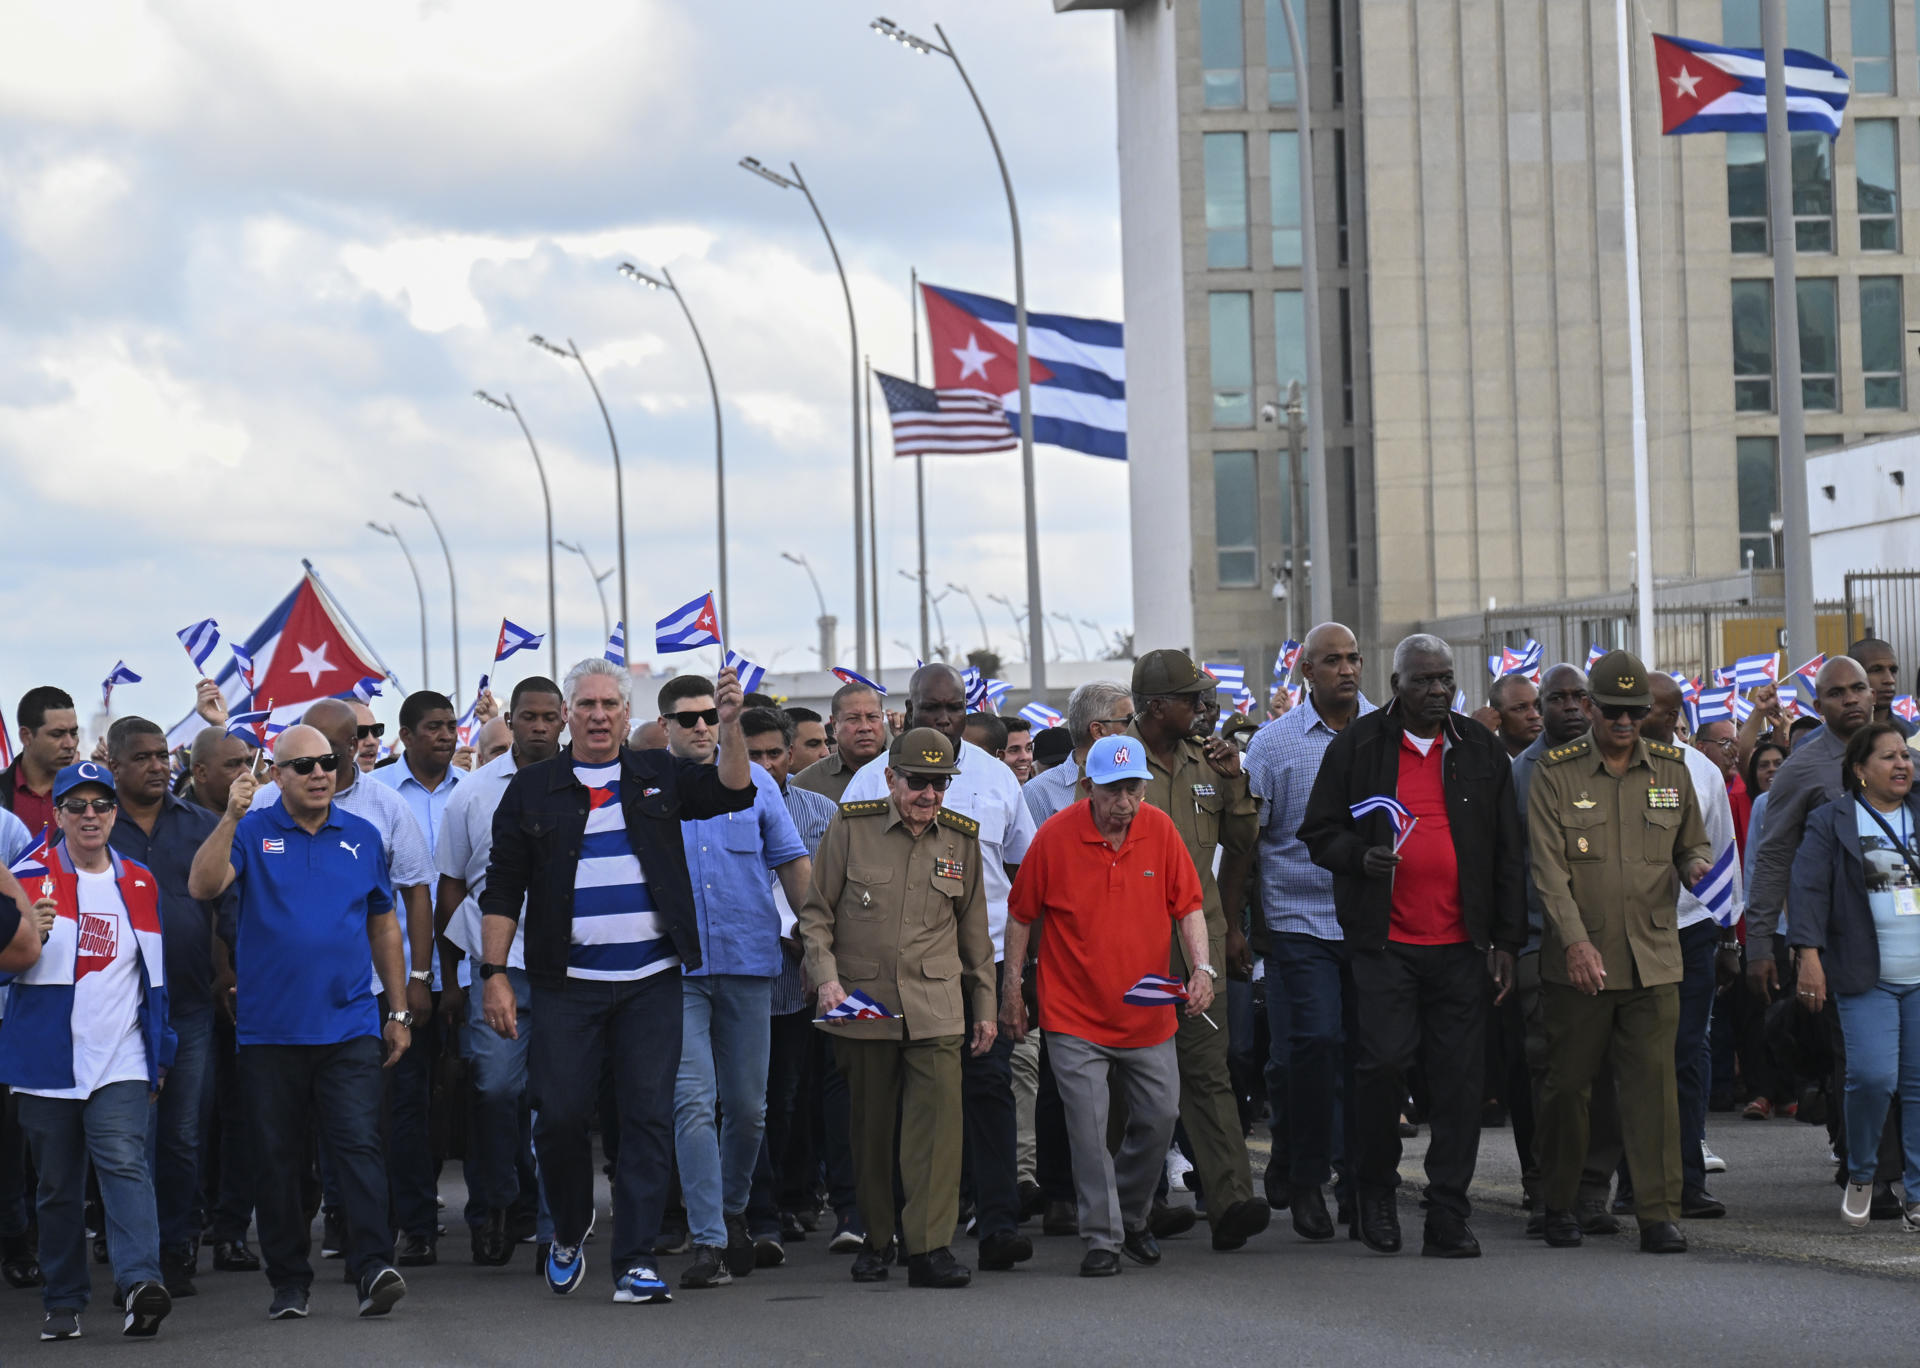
{"points": [[890, 979]]}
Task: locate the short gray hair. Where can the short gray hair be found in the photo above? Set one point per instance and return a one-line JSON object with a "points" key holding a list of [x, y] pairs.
{"points": [[1088, 704], [598, 665], [1420, 643]]}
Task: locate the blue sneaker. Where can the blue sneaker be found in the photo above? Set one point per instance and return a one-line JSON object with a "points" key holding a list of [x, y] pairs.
{"points": [[566, 1266], [641, 1284]]}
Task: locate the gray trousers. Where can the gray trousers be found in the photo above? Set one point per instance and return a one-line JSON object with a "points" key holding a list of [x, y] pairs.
{"points": [[1115, 1190]]}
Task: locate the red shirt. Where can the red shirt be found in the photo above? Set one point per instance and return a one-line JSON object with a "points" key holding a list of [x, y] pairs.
{"points": [[1742, 804], [1426, 882], [33, 809], [1104, 916]]}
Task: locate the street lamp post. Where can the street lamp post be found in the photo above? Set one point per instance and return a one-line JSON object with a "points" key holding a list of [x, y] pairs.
{"points": [[798, 182], [931, 648], [572, 353], [665, 282], [1036, 653], [1079, 640], [599, 582], [418, 588], [986, 642], [1098, 635], [827, 622], [553, 616], [419, 501], [1016, 615]]}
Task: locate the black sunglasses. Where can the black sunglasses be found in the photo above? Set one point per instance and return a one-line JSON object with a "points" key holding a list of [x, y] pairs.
{"points": [[374, 729], [303, 765], [691, 718], [100, 806], [1613, 712], [921, 782]]}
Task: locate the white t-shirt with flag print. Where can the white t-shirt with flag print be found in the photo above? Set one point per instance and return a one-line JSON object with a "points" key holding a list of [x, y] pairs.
{"points": [[107, 1044], [616, 934]]}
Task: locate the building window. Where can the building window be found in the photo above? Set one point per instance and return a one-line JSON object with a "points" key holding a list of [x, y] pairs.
{"points": [[1873, 47], [1340, 191], [1230, 347], [1353, 514], [1881, 335], [1346, 354], [1876, 158], [1338, 50], [1812, 158], [1236, 518], [1747, 191], [1806, 24], [1281, 90], [1757, 478], [1752, 346], [1819, 343], [1223, 54], [1225, 158], [1283, 175], [1290, 341]]}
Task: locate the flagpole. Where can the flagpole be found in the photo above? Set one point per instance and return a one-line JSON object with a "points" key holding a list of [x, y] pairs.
{"points": [[1636, 352], [1795, 550], [919, 466], [333, 599], [873, 522], [1319, 532]]}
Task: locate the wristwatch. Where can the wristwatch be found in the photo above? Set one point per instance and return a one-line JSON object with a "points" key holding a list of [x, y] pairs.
{"points": [[487, 971], [404, 1018], [420, 975], [1208, 970]]}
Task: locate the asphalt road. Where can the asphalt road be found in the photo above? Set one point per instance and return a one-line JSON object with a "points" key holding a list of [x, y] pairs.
{"points": [[1778, 1281]]}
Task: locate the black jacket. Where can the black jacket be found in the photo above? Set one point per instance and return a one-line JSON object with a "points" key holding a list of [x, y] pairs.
{"points": [[1364, 761], [1829, 896], [9, 779], [537, 831]]}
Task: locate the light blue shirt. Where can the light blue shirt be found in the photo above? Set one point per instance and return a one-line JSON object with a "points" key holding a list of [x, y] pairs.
{"points": [[15, 839], [1296, 895], [1052, 791], [427, 805], [1887, 869], [812, 813], [729, 858]]}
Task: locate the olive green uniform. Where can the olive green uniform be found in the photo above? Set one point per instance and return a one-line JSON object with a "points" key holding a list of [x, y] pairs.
{"points": [[829, 775], [1608, 851], [902, 918]]}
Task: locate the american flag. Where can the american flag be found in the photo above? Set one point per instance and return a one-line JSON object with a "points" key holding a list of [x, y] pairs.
{"points": [[950, 422]]}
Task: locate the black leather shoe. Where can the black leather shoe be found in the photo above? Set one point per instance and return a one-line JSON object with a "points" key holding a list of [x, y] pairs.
{"points": [[1100, 1263], [1595, 1219], [1061, 1219], [1165, 1221], [1562, 1229], [1279, 1191], [869, 1265], [176, 1273], [491, 1247], [1308, 1204], [793, 1230], [1380, 1222], [1662, 1237], [1240, 1223], [741, 1255], [937, 1268], [1701, 1206], [1141, 1247], [1448, 1237], [1003, 1249], [414, 1251], [1033, 1200]]}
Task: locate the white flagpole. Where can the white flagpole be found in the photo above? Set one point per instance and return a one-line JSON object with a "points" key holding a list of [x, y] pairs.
{"points": [[1636, 355]]}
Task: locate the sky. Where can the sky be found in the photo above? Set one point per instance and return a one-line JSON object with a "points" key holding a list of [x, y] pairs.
{"points": [[254, 261]]}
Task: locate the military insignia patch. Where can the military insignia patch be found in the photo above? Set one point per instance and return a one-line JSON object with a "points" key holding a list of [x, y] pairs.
{"points": [[1583, 802], [949, 869], [1582, 844], [1203, 790], [1664, 799]]}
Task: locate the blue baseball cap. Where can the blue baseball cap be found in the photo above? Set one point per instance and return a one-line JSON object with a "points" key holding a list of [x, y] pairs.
{"points": [[1113, 758], [86, 772]]}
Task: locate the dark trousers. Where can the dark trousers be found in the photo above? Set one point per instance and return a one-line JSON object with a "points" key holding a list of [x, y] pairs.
{"points": [[1692, 1064], [1603, 1110], [1052, 1146], [1424, 1004], [1318, 983], [786, 1144], [179, 1119], [230, 1181], [1516, 1083], [292, 1090], [409, 1143], [992, 1135], [635, 1027], [13, 1169], [834, 1135]]}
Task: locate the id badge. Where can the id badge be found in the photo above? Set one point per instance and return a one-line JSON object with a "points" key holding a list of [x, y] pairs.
{"points": [[1906, 901]]}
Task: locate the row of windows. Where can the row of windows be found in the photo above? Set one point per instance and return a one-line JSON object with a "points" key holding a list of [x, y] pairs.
{"points": [[1882, 349], [1757, 480], [1223, 160], [1223, 52], [1871, 49], [1236, 513], [1230, 352], [1876, 154]]}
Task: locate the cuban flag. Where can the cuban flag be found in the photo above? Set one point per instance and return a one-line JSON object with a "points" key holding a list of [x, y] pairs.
{"points": [[1594, 655], [200, 639], [1156, 990], [514, 639], [749, 673], [997, 691], [1041, 715], [617, 645], [1706, 88], [244, 664], [1716, 890], [857, 1006], [1525, 661], [1285, 661], [1716, 705], [692, 625], [467, 725], [984, 694], [1906, 709], [119, 674], [1243, 701], [1077, 367], [1460, 700], [1751, 672], [1227, 678], [1801, 680], [846, 676], [257, 728], [1402, 821], [1689, 697]]}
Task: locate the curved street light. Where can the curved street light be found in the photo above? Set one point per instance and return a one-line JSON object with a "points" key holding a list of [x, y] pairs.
{"points": [[826, 621], [419, 501], [418, 588], [986, 642], [553, 616], [940, 650], [1079, 640], [572, 353], [664, 281], [599, 582], [1098, 635]]}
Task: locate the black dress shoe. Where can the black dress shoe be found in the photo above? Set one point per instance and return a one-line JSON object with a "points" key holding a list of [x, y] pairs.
{"points": [[1595, 1219], [491, 1247], [1033, 1200], [1308, 1204], [1701, 1206], [1662, 1237], [1100, 1263], [1562, 1229], [1240, 1222], [1165, 1221], [414, 1251], [1279, 1191], [1141, 1247], [176, 1274], [1003, 1249], [1061, 1219], [1448, 1237], [1380, 1221], [869, 1265], [937, 1268]]}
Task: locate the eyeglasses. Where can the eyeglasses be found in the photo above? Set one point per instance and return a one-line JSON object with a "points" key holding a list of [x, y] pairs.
{"points": [[374, 729], [1724, 742], [919, 783], [693, 718], [1613, 712], [303, 765], [101, 806]]}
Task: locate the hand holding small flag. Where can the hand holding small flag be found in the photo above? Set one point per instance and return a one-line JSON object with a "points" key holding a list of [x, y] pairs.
{"points": [[854, 1006]]}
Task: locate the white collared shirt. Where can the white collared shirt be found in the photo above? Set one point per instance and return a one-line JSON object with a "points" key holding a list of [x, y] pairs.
{"points": [[466, 844], [1716, 814]]}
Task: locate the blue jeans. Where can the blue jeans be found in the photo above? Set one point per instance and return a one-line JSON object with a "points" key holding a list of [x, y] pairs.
{"points": [[1692, 1062], [497, 1072], [179, 1121], [110, 1129], [727, 1032], [1317, 981], [1881, 1029]]}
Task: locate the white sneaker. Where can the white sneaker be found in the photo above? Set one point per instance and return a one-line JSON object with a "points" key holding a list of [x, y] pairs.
{"points": [[1714, 1163], [1910, 1218], [1178, 1167], [1857, 1206]]}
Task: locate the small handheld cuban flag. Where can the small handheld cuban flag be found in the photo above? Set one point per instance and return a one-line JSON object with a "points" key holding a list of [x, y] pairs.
{"points": [[857, 1006], [256, 728], [1716, 705], [1595, 653], [243, 662], [1906, 709], [367, 689], [1525, 661], [1689, 697], [846, 676], [1715, 891], [617, 644], [693, 624], [1723, 676], [1041, 715], [1227, 678], [997, 691], [200, 639], [1751, 672], [975, 684], [1156, 990], [467, 725], [120, 674], [1460, 700], [514, 639], [1402, 821], [1284, 663], [1801, 681], [749, 673]]}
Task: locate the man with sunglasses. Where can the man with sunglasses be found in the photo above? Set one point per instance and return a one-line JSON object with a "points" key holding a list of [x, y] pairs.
{"points": [[1101, 707], [1615, 832], [315, 926], [367, 734]]}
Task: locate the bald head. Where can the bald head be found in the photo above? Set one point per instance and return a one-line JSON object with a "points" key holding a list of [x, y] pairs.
{"points": [[493, 738], [1843, 696], [297, 741], [937, 698], [333, 719], [1664, 716], [305, 795], [1330, 667]]}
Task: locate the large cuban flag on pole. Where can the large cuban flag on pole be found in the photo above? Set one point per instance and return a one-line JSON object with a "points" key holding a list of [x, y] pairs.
{"points": [[1706, 88]]}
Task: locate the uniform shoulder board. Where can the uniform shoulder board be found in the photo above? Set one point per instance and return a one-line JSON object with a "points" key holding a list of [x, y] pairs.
{"points": [[947, 817], [1557, 754], [866, 807], [1662, 749]]}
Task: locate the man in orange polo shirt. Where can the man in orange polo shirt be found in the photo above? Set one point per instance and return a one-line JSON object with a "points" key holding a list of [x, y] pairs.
{"points": [[1103, 879]]}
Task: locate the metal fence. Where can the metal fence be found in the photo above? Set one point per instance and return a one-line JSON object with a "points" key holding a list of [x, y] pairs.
{"points": [[1886, 604]]}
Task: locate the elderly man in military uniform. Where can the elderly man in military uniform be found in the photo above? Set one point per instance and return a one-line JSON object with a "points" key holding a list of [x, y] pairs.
{"points": [[1612, 822], [898, 911]]}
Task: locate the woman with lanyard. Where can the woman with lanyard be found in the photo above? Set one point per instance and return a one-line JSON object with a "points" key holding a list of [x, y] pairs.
{"points": [[1856, 932]]}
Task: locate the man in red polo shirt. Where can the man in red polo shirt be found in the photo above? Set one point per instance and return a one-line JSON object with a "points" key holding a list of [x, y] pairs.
{"points": [[1103, 878]]}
